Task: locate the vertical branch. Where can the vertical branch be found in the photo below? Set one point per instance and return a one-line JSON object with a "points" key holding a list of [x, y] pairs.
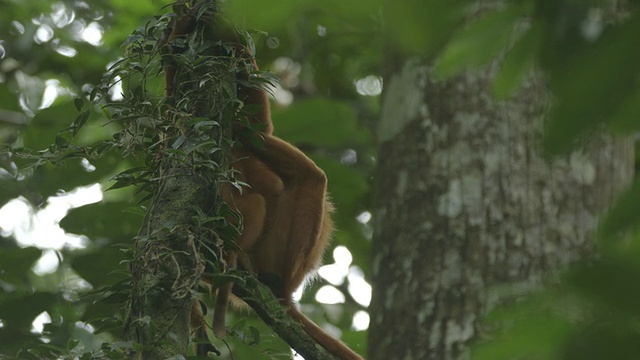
{"points": [[167, 266]]}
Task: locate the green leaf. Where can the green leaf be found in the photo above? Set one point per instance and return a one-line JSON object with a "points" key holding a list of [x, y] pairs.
{"points": [[80, 120], [602, 338], [349, 191], [47, 122], [79, 103], [320, 122], [479, 42], [101, 267], [16, 263], [243, 343], [265, 15], [422, 26], [255, 333], [610, 282], [534, 328], [625, 214], [345, 183], [9, 188], [50, 179], [591, 84], [20, 310], [533, 337], [72, 344], [627, 118], [356, 340], [8, 98], [99, 221], [518, 62]]}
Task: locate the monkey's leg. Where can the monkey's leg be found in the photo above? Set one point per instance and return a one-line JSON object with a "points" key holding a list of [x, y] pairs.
{"points": [[252, 208], [301, 214]]}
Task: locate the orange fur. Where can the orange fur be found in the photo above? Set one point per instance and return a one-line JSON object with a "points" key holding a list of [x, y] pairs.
{"points": [[286, 213]]}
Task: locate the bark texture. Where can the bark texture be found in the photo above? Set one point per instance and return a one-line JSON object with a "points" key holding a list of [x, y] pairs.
{"points": [[466, 204], [166, 267]]}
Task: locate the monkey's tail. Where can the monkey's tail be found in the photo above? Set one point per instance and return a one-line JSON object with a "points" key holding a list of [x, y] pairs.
{"points": [[334, 346], [199, 331], [220, 311]]}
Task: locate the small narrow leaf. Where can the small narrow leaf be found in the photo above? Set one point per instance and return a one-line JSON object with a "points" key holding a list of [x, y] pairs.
{"points": [[79, 103], [625, 214], [518, 61]]}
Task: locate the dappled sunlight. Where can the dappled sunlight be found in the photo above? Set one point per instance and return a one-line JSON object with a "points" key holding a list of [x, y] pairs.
{"points": [[51, 92], [369, 86], [329, 295], [40, 228], [37, 326], [364, 217], [359, 288], [93, 34], [43, 34], [360, 321], [336, 273], [48, 263]]}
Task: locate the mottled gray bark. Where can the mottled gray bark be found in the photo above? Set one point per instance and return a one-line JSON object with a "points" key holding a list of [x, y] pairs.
{"points": [[465, 204]]}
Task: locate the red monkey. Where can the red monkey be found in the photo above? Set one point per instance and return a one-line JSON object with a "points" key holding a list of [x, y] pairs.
{"points": [[286, 212]]}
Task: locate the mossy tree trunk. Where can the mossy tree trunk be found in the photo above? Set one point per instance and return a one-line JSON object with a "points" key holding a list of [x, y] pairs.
{"points": [[166, 266]]}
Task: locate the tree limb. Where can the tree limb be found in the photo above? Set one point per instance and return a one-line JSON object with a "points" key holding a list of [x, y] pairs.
{"points": [[268, 308]]}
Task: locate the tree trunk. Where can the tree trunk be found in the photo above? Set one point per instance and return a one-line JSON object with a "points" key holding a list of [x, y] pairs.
{"points": [[465, 204], [166, 267]]}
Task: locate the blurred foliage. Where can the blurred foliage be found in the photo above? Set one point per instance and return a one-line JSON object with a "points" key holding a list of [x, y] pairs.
{"points": [[587, 51]]}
